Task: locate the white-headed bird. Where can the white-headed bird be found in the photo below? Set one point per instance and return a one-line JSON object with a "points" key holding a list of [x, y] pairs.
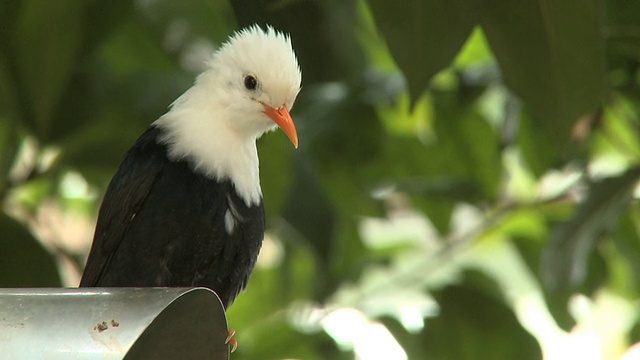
{"points": [[185, 206]]}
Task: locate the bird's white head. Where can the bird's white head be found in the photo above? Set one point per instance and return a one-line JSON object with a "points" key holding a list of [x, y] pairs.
{"points": [[247, 89], [257, 77]]}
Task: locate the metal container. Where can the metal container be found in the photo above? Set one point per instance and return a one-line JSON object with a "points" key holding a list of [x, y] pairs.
{"points": [[112, 323]]}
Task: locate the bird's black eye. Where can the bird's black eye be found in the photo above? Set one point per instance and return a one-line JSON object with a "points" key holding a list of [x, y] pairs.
{"points": [[250, 82]]}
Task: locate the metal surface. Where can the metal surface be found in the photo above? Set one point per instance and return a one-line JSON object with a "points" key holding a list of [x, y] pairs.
{"points": [[112, 323]]}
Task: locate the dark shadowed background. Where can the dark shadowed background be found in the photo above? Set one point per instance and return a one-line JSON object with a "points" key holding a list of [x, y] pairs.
{"points": [[466, 185]]}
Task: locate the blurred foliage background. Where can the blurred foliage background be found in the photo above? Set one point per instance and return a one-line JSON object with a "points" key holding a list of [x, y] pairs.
{"points": [[466, 185]]}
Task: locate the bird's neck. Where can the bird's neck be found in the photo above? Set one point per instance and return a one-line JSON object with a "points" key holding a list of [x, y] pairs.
{"points": [[196, 129]]}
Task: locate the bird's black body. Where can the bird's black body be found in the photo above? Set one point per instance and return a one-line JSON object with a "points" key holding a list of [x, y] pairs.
{"points": [[162, 223]]}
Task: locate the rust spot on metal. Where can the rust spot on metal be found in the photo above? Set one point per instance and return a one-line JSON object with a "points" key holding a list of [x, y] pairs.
{"points": [[114, 323], [101, 327]]}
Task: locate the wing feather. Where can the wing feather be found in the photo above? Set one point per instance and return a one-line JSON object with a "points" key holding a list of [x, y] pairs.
{"points": [[125, 195]]}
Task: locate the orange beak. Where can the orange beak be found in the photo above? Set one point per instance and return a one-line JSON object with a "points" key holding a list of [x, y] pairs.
{"points": [[284, 120]]}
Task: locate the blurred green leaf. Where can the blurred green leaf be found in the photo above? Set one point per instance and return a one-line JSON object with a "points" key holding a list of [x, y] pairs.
{"points": [[132, 70], [459, 129], [277, 287], [25, 262], [442, 170], [9, 100], [276, 172], [371, 41], [476, 51], [623, 45], [47, 43], [423, 36], [33, 193], [284, 342], [313, 221], [318, 29], [627, 243], [102, 18], [618, 135], [9, 137], [284, 280], [564, 262], [178, 23], [9, 144], [534, 144], [551, 55], [475, 325]]}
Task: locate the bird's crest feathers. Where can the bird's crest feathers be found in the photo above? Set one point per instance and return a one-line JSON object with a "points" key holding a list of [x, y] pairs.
{"points": [[268, 55]]}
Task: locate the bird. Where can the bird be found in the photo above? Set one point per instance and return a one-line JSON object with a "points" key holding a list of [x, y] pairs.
{"points": [[185, 207]]}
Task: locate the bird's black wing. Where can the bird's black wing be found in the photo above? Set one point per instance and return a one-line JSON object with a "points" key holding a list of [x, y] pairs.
{"points": [[125, 195]]}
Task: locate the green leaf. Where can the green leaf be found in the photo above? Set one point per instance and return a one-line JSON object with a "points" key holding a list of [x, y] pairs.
{"points": [[475, 53], [9, 102], [467, 147], [618, 135], [564, 262], [9, 137], [310, 212], [97, 148], [318, 29], [535, 145], [189, 20], [275, 283], [48, 43], [284, 342], [270, 291], [102, 18], [623, 46], [475, 324], [25, 262], [551, 55], [626, 241], [276, 170], [423, 36], [9, 144]]}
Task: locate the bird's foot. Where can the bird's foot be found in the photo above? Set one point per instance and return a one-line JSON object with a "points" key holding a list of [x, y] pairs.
{"points": [[230, 341]]}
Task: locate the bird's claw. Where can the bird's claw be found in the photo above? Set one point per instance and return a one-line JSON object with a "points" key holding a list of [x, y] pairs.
{"points": [[230, 341]]}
